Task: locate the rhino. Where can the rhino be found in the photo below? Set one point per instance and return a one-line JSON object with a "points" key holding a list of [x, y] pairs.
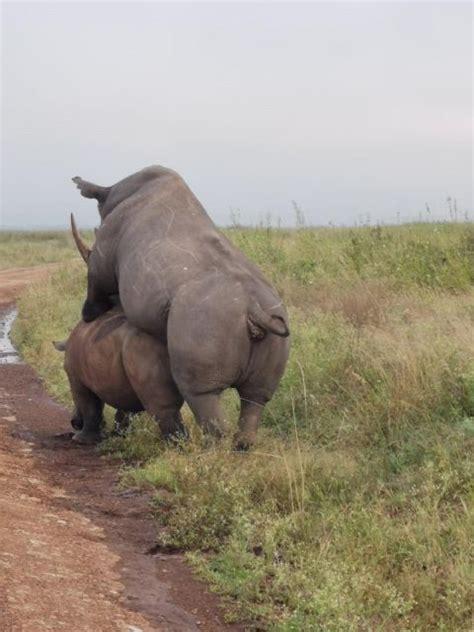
{"points": [[181, 281], [110, 362]]}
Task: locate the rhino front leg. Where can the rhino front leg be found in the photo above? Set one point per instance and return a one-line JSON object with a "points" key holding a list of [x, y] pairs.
{"points": [[96, 303]]}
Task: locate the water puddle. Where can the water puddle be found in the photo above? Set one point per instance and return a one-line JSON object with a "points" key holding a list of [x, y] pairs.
{"points": [[8, 355]]}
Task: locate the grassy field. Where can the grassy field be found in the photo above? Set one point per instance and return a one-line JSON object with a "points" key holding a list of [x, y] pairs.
{"points": [[30, 248], [355, 509]]}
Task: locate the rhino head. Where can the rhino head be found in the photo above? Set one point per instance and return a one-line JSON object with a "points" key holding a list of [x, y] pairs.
{"points": [[85, 253]]}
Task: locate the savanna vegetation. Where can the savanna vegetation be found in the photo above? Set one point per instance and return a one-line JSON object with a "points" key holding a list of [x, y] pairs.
{"points": [[29, 248], [355, 509]]}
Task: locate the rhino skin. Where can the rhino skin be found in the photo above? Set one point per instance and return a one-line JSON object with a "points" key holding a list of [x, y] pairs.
{"points": [[183, 282], [110, 362]]}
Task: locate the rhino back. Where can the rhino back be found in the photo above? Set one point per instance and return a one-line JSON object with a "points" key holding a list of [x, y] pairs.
{"points": [[157, 238], [131, 185], [94, 359]]}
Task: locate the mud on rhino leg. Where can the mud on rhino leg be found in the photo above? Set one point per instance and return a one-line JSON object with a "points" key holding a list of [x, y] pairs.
{"points": [[90, 409], [249, 420]]}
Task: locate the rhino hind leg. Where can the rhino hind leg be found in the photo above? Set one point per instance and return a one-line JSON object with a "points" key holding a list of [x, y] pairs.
{"points": [[122, 422], [77, 422], [249, 420], [171, 426], [207, 411], [146, 363], [163, 403], [90, 409]]}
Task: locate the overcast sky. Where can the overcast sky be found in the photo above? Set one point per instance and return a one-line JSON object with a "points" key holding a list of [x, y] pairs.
{"points": [[352, 110]]}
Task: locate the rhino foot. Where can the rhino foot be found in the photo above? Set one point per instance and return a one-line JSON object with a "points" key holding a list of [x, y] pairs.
{"points": [[91, 311], [87, 438], [77, 423], [242, 442]]}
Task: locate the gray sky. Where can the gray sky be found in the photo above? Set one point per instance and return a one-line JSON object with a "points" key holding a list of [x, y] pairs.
{"points": [[352, 110]]}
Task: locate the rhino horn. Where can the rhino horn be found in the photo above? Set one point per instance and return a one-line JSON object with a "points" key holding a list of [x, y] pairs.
{"points": [[80, 243]]}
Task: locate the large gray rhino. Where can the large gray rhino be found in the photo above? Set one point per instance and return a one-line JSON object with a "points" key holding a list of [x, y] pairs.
{"points": [[182, 281]]}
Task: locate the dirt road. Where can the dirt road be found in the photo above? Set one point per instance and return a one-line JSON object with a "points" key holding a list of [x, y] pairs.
{"points": [[75, 549]]}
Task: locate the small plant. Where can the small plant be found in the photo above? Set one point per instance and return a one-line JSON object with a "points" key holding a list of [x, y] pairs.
{"points": [[300, 221]]}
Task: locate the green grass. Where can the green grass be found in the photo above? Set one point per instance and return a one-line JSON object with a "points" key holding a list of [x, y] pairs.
{"points": [[30, 248], [355, 509]]}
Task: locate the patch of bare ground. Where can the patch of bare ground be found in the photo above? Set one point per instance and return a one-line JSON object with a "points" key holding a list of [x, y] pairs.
{"points": [[14, 280]]}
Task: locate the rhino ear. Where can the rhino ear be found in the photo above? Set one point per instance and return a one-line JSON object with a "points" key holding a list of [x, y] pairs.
{"points": [[90, 190], [60, 345]]}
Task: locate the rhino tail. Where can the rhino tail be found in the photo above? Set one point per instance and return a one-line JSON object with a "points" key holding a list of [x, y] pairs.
{"points": [[260, 322], [90, 190]]}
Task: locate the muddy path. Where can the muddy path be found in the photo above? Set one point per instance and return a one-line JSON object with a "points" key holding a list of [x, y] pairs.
{"points": [[75, 548]]}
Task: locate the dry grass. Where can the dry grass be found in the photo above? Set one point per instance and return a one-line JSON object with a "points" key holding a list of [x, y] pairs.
{"points": [[28, 248]]}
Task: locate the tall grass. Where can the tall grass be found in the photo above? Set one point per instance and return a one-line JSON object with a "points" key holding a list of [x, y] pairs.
{"points": [[354, 510], [29, 248]]}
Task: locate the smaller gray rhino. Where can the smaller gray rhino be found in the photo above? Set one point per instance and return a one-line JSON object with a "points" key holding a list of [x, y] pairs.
{"points": [[110, 362]]}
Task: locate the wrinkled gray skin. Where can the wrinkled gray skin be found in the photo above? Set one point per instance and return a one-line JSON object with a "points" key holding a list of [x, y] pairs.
{"points": [[109, 361], [182, 281]]}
